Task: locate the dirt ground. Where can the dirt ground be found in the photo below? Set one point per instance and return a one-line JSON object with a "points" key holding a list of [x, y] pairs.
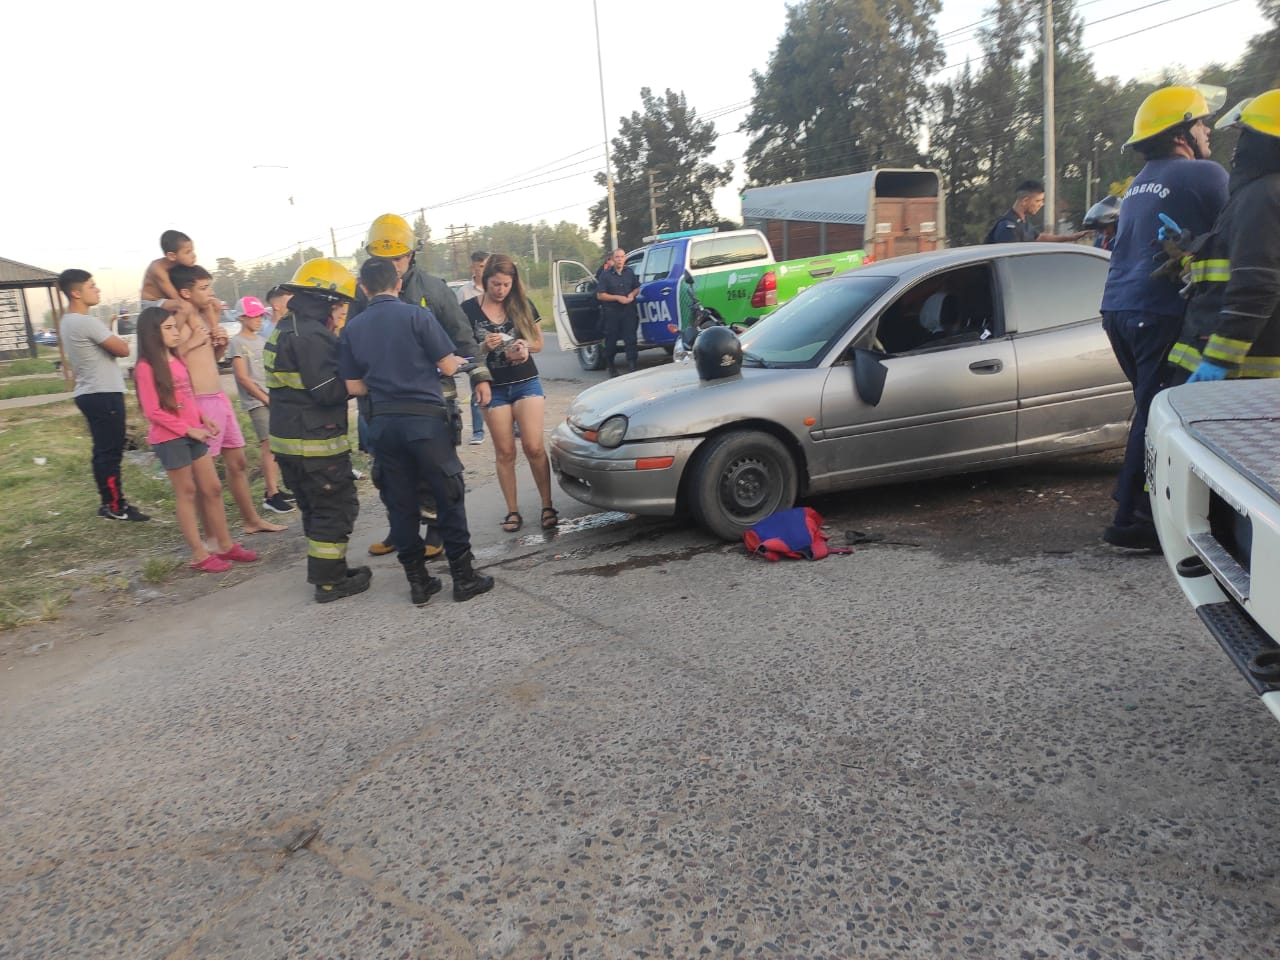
{"points": [[1056, 508]]}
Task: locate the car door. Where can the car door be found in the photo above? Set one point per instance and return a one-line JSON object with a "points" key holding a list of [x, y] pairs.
{"points": [[658, 301], [950, 396], [574, 306], [1071, 390]]}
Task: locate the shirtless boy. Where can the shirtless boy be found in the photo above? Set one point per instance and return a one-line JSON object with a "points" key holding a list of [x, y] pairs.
{"points": [[157, 286], [199, 348]]}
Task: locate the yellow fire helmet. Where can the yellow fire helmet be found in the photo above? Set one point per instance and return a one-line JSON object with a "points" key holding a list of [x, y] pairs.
{"points": [[1263, 113], [1170, 107], [325, 277], [391, 236]]}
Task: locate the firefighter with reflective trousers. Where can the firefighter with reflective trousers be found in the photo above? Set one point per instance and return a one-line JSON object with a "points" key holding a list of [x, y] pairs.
{"points": [[391, 238], [308, 423], [1232, 324]]}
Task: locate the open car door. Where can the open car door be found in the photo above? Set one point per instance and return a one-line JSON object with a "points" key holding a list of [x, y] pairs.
{"points": [[574, 305]]}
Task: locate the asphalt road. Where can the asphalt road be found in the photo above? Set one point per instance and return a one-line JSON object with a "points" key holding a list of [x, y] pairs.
{"points": [[982, 734]]}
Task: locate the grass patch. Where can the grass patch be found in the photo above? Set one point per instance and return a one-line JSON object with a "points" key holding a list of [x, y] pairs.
{"points": [[56, 543], [26, 367], [33, 388], [160, 569]]}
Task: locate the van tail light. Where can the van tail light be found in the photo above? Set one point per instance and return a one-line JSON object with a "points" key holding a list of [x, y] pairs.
{"points": [[766, 294]]}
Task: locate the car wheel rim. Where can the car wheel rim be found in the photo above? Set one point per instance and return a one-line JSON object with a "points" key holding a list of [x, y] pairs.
{"points": [[747, 486]]}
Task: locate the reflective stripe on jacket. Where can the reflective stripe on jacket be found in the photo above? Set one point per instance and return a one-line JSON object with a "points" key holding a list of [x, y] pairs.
{"points": [[308, 412], [1233, 319]]}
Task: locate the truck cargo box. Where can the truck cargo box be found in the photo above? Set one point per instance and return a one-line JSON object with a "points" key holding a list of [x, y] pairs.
{"points": [[887, 212]]}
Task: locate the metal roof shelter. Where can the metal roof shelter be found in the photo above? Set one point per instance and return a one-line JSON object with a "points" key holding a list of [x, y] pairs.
{"points": [[17, 335]]}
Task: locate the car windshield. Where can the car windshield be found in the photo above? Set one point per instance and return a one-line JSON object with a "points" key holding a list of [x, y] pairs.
{"points": [[799, 331]]}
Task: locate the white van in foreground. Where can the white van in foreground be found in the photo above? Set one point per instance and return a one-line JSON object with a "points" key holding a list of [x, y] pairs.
{"points": [[1213, 466]]}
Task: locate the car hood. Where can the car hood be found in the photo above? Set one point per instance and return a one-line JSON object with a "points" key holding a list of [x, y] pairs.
{"points": [[672, 401]]}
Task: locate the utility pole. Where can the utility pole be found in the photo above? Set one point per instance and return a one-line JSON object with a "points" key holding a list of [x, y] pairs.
{"points": [[604, 122], [1050, 158], [533, 231], [333, 242], [653, 207]]}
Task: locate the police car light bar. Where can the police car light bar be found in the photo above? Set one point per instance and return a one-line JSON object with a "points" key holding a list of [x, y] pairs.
{"points": [[679, 233]]}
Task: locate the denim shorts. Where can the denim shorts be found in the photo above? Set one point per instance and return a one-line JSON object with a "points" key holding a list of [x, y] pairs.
{"points": [[505, 394], [178, 453]]}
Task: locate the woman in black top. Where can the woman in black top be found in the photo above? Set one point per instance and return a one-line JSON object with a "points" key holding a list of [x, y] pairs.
{"points": [[508, 324]]}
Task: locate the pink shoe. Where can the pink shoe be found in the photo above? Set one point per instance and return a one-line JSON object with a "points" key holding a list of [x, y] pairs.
{"points": [[239, 554], [211, 564]]}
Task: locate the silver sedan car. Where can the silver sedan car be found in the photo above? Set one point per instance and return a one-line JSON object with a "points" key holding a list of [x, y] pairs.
{"points": [[918, 366]]}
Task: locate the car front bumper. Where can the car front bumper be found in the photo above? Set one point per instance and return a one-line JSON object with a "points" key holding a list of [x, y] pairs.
{"points": [[613, 479]]}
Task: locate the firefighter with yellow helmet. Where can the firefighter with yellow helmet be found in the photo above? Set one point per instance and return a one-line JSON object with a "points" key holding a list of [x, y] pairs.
{"points": [[1141, 313], [391, 238], [308, 423], [1232, 324]]}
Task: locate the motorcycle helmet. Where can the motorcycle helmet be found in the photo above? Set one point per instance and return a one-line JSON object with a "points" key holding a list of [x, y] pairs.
{"points": [[717, 353], [1102, 214]]}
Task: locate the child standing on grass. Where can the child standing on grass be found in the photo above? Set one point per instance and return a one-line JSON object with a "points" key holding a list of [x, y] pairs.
{"points": [[177, 436], [245, 351]]}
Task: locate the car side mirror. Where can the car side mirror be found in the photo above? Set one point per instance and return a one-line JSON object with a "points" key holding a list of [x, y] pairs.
{"points": [[869, 375]]}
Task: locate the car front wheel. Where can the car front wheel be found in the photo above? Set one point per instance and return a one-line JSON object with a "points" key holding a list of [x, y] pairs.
{"points": [[739, 479], [591, 357]]}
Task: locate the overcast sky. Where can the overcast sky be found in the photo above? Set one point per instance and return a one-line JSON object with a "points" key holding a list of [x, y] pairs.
{"points": [[251, 125]]}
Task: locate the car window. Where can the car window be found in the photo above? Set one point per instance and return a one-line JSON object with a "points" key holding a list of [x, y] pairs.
{"points": [[719, 251], [800, 331], [634, 262], [657, 266], [949, 308], [1052, 290]]}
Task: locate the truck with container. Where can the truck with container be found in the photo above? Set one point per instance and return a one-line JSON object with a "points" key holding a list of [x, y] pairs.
{"points": [[888, 212]]}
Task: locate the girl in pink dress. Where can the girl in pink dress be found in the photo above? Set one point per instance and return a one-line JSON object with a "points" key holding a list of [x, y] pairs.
{"points": [[177, 436]]}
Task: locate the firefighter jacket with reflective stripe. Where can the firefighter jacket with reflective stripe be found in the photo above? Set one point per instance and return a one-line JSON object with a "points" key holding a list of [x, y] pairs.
{"points": [[1233, 319], [308, 412]]}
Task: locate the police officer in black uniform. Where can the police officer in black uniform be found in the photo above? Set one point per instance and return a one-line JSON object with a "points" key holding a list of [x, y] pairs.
{"points": [[391, 238], [396, 353], [1014, 227]]}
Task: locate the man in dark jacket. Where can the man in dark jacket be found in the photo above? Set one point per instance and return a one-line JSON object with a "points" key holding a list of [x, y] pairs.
{"points": [[308, 424], [1232, 325]]}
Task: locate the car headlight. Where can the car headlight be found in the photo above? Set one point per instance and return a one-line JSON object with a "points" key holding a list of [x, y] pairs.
{"points": [[612, 431]]}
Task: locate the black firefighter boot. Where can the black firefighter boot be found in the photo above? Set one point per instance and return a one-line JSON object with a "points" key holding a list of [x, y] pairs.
{"points": [[355, 581], [421, 584], [466, 582]]}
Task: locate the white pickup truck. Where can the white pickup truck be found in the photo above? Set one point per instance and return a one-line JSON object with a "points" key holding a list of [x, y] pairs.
{"points": [[1213, 466]]}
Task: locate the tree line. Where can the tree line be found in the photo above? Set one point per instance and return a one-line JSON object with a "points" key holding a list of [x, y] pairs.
{"points": [[847, 89], [532, 246]]}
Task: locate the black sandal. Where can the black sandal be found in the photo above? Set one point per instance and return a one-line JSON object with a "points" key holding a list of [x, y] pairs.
{"points": [[550, 518], [512, 522]]}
